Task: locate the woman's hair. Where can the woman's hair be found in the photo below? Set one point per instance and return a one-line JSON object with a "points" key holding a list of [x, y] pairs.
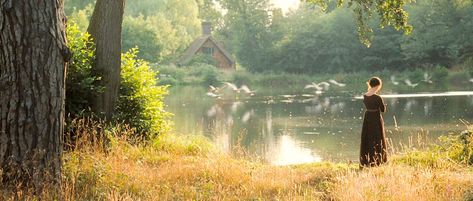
{"points": [[374, 82]]}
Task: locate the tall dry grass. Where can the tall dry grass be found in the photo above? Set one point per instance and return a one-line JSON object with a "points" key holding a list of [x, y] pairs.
{"points": [[401, 182], [117, 166]]}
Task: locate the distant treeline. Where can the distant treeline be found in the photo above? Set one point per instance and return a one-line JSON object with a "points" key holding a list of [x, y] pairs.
{"points": [[306, 40]]}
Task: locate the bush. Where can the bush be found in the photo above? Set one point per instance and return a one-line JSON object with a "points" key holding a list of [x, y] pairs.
{"points": [[210, 76], [200, 59], [80, 80], [170, 75], [140, 102], [202, 73], [458, 147], [439, 74], [416, 75], [241, 77]]}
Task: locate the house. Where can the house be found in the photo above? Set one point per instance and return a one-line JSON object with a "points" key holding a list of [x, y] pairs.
{"points": [[206, 44]]}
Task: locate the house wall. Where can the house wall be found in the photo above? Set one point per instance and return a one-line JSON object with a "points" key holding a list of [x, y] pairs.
{"points": [[221, 60]]}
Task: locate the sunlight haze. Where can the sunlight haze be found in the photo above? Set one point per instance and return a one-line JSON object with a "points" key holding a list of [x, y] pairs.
{"points": [[286, 4]]}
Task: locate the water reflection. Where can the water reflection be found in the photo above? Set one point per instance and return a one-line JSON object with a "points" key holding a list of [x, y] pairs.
{"points": [[288, 151], [287, 127]]}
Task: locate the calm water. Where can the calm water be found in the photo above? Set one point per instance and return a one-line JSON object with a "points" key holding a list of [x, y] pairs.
{"points": [[287, 126]]}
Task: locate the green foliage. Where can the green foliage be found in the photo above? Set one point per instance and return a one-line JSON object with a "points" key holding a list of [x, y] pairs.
{"points": [[200, 59], [185, 144], [451, 151], [247, 32], [442, 34], [80, 80], [198, 73], [157, 27], [439, 74], [241, 77], [209, 12], [140, 102], [71, 6], [171, 75], [458, 147], [209, 74], [140, 32], [391, 13], [468, 66], [318, 38], [416, 74]]}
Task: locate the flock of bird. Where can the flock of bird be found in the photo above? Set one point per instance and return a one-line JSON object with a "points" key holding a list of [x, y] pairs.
{"points": [[216, 92], [427, 79], [323, 86]]}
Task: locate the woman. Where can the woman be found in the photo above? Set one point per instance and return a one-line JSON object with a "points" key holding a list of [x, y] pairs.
{"points": [[373, 139]]}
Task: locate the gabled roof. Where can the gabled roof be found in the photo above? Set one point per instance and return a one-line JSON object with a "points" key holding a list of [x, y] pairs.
{"points": [[197, 44]]}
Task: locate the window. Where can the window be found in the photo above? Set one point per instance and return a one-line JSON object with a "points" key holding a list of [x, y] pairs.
{"points": [[208, 50]]}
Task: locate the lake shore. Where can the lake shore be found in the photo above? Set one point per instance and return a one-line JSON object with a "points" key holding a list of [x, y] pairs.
{"points": [[204, 75], [175, 167]]}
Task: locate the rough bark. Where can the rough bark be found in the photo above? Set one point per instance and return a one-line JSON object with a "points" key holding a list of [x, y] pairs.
{"points": [[33, 56], [105, 29]]}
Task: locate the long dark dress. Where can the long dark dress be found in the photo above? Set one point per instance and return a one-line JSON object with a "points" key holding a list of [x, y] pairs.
{"points": [[373, 149]]}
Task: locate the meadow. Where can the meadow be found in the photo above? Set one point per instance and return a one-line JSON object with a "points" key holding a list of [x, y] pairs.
{"points": [[118, 166]]}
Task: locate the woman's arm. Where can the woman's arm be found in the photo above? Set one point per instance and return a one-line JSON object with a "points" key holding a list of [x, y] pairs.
{"points": [[382, 106]]}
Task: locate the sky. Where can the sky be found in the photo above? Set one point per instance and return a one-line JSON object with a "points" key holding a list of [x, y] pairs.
{"points": [[285, 4]]}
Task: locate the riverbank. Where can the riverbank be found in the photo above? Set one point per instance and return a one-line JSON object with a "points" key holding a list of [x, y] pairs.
{"points": [[441, 78], [172, 167]]}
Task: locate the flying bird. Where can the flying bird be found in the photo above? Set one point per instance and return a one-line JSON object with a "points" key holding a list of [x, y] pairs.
{"points": [[213, 89], [213, 95], [336, 83], [427, 78], [393, 80], [471, 80], [314, 86], [325, 85], [246, 90], [232, 86], [409, 83]]}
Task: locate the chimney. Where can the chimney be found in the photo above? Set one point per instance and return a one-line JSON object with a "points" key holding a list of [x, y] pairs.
{"points": [[206, 28]]}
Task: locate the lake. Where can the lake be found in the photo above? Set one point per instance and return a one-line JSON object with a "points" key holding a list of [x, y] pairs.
{"points": [[292, 126]]}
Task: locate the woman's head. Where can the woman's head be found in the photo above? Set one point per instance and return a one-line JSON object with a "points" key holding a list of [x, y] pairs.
{"points": [[375, 82]]}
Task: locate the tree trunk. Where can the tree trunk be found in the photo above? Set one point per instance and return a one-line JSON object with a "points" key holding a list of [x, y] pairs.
{"points": [[33, 56], [105, 29]]}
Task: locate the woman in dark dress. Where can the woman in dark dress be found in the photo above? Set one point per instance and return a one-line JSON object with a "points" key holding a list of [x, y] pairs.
{"points": [[373, 150]]}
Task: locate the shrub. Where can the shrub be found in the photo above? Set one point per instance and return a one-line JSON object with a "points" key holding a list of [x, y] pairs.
{"points": [[458, 147], [416, 75], [80, 80], [241, 77], [140, 102], [210, 76], [439, 74], [200, 59], [205, 73], [170, 74], [469, 66]]}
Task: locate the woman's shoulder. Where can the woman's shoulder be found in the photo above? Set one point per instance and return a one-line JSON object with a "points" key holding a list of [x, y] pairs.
{"points": [[375, 96], [370, 95]]}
